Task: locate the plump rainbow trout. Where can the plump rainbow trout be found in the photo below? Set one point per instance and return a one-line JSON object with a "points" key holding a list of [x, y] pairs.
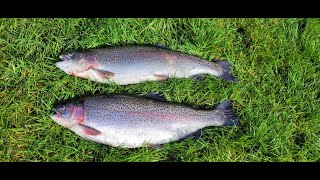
{"points": [[135, 64], [131, 122]]}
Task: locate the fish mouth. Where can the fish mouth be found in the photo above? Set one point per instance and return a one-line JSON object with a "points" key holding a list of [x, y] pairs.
{"points": [[62, 57], [61, 65], [56, 116], [58, 119], [53, 116]]}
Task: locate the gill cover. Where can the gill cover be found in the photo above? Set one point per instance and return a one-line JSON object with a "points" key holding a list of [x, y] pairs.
{"points": [[73, 63]]}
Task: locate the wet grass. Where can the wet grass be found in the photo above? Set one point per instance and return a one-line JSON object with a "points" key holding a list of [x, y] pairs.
{"points": [[276, 62]]}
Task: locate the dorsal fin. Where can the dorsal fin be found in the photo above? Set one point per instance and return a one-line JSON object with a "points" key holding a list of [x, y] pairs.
{"points": [[159, 46], [156, 96]]}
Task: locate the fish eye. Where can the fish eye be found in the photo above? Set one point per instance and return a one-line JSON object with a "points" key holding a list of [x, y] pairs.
{"points": [[65, 113]]}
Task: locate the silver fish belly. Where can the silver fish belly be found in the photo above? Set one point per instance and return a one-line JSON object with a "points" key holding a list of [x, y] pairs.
{"points": [[131, 122], [135, 64]]}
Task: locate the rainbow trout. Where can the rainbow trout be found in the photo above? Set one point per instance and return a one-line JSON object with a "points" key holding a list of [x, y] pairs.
{"points": [[131, 122], [135, 64]]}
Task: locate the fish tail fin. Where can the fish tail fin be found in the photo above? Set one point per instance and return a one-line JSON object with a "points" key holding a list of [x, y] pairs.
{"points": [[230, 118], [226, 67]]}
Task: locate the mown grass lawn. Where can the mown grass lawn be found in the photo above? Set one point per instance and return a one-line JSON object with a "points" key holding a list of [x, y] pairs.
{"points": [[276, 62]]}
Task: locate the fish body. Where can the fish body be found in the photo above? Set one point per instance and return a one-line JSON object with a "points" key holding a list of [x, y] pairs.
{"points": [[135, 64], [131, 122]]}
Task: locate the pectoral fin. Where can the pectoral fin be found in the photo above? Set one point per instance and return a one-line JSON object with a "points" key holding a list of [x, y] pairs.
{"points": [[103, 74], [89, 130]]}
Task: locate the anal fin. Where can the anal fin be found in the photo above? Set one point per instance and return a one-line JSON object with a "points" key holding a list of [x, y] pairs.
{"points": [[195, 135], [161, 77], [198, 77], [89, 130], [156, 146]]}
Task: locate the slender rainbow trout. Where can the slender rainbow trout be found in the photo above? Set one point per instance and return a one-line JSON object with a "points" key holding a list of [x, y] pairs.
{"points": [[135, 64], [131, 122]]}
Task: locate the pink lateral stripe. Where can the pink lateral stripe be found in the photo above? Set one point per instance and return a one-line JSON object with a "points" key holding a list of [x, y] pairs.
{"points": [[153, 115]]}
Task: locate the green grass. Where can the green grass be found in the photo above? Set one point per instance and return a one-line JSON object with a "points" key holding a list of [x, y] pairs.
{"points": [[276, 62]]}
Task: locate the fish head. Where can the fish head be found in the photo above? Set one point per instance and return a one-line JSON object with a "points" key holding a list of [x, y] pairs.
{"points": [[75, 63], [69, 115]]}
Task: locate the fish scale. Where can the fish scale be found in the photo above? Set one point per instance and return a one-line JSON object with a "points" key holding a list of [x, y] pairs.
{"points": [[130, 121], [134, 64]]}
